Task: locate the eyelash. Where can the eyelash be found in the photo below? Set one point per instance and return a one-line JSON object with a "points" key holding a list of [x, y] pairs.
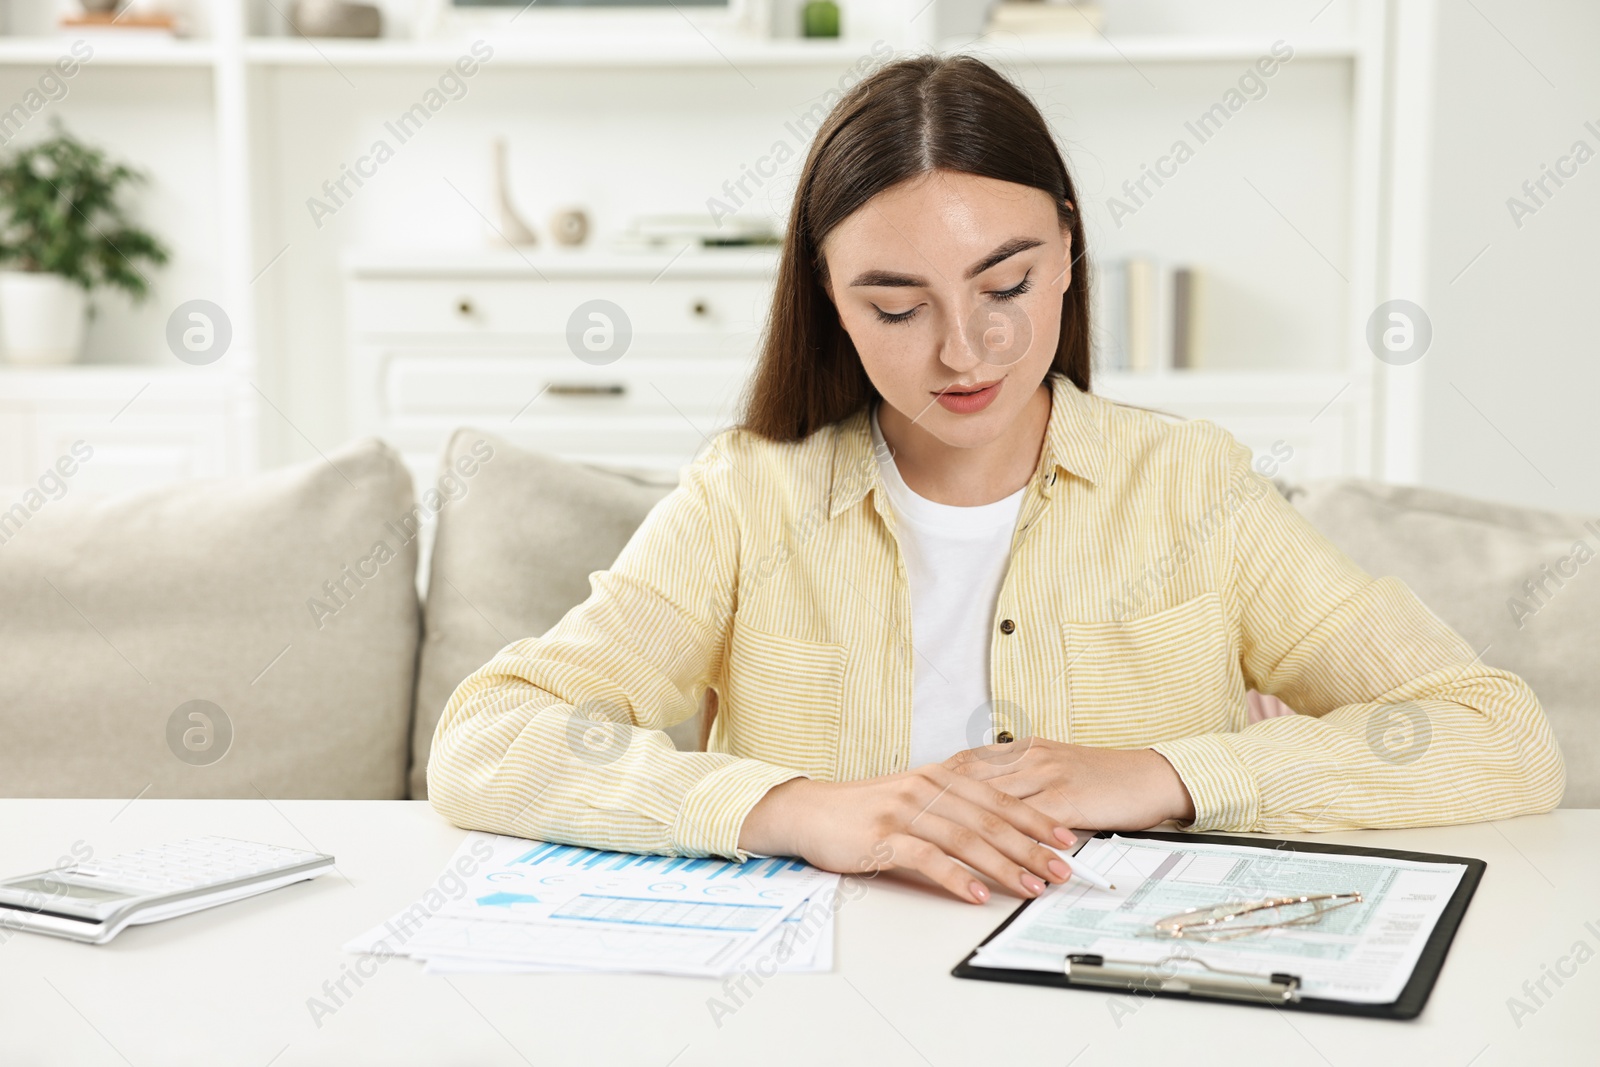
{"points": [[1010, 294]]}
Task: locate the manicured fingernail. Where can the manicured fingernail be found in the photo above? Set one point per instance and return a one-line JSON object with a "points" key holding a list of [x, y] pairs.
{"points": [[1065, 836], [978, 891], [1032, 884], [1059, 869]]}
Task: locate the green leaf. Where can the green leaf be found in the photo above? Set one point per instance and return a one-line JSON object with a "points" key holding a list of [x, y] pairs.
{"points": [[61, 212]]}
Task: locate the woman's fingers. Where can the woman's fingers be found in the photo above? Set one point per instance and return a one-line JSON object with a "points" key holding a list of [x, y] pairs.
{"points": [[1022, 849], [990, 761], [946, 825], [1026, 818], [1019, 782], [913, 853], [980, 853], [972, 764], [1006, 825]]}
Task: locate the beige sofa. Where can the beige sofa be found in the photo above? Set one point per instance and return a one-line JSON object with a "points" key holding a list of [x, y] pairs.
{"points": [[265, 638]]}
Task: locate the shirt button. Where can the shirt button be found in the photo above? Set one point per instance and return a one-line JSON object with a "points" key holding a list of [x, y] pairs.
{"points": [[1007, 626], [1003, 737]]}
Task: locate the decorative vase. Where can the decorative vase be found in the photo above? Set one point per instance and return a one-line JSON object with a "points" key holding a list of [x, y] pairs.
{"points": [[336, 18], [512, 229], [570, 226], [41, 317]]}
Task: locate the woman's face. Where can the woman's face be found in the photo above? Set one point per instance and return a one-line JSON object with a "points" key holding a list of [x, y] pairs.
{"points": [[952, 281]]}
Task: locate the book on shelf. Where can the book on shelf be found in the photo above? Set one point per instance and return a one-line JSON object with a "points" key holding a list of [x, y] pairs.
{"points": [[1148, 315], [656, 231], [128, 24], [1058, 18], [1187, 302]]}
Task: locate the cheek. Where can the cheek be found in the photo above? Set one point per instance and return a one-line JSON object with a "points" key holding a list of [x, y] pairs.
{"points": [[885, 367], [881, 345], [893, 364], [1045, 315]]}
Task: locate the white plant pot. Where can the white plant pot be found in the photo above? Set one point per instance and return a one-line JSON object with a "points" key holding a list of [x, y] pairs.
{"points": [[41, 317]]}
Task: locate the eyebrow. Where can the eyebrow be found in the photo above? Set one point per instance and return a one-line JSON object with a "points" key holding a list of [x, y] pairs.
{"points": [[911, 281]]}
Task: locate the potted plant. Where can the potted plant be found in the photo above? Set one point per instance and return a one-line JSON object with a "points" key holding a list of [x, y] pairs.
{"points": [[63, 234]]}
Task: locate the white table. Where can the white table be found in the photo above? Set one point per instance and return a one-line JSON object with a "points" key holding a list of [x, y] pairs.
{"points": [[232, 985]]}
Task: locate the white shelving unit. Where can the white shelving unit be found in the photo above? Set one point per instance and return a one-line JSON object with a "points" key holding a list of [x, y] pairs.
{"points": [[289, 52], [40, 51], [144, 426], [1301, 260]]}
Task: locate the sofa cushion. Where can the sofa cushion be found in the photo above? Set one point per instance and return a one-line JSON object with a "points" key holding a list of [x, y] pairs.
{"points": [[245, 638], [1524, 583], [512, 556]]}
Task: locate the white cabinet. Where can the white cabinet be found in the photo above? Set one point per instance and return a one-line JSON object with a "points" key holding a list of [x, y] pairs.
{"points": [[498, 342], [1313, 425], [141, 426]]}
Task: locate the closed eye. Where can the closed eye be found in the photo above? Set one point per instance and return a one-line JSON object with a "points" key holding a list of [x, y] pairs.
{"points": [[899, 316], [905, 316], [1016, 290]]}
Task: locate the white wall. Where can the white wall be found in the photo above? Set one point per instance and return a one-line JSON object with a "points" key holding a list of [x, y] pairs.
{"points": [[617, 142], [1512, 382]]}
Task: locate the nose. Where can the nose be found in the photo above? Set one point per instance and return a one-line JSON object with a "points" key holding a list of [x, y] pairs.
{"points": [[957, 350], [999, 334]]}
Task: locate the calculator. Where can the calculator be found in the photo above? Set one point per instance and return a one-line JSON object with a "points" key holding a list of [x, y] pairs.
{"points": [[94, 901]]}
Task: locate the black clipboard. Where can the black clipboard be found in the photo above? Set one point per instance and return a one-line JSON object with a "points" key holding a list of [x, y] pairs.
{"points": [[1408, 1006]]}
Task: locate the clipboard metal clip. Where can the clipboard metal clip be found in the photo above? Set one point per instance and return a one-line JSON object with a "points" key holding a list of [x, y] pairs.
{"points": [[1083, 968]]}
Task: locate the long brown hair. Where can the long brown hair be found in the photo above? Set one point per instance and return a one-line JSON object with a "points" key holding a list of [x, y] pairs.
{"points": [[913, 116]]}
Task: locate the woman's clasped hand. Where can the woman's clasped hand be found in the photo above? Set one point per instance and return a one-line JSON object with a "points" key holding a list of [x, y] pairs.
{"points": [[930, 819]]}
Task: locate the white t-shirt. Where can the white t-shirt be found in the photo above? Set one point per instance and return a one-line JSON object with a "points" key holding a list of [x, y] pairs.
{"points": [[955, 562]]}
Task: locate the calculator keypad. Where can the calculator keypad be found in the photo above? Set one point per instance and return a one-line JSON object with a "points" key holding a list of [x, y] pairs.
{"points": [[193, 864]]}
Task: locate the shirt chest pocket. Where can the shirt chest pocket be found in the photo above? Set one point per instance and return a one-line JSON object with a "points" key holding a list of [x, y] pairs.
{"points": [[1137, 681], [782, 700]]}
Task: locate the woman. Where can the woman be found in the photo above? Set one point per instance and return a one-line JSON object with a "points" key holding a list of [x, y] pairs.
{"points": [[953, 604]]}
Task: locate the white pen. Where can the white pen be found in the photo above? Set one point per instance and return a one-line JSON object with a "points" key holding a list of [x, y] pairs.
{"points": [[1083, 870]]}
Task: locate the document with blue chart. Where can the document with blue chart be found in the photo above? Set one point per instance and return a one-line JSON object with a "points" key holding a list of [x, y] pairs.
{"points": [[508, 904]]}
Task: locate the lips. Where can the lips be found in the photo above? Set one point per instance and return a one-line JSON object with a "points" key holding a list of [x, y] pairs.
{"points": [[969, 400]]}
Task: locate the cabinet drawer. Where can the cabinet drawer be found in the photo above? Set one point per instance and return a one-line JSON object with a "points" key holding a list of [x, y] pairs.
{"points": [[162, 444], [471, 307], [536, 386]]}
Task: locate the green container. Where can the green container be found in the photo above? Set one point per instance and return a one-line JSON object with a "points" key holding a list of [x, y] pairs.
{"points": [[819, 18]]}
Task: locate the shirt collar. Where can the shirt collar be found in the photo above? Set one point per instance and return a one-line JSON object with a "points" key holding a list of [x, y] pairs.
{"points": [[1073, 441]]}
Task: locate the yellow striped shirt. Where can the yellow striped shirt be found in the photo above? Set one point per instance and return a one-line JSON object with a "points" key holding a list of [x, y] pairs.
{"points": [[1154, 576]]}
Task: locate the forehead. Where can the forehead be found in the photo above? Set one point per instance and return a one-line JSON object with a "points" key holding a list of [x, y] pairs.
{"points": [[940, 213]]}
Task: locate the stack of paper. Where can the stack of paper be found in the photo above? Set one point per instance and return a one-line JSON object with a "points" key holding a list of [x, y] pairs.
{"points": [[509, 904], [1079, 18], [1362, 952]]}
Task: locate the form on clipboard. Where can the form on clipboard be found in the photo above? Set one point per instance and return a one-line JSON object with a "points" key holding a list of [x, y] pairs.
{"points": [[1378, 957]]}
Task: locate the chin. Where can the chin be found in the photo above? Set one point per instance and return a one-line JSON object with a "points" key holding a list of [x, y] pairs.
{"points": [[969, 431]]}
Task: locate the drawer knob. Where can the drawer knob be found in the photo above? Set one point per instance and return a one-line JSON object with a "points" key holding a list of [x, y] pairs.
{"points": [[700, 309], [587, 389], [464, 307]]}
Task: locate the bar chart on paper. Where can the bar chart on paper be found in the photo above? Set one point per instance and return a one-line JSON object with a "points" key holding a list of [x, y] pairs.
{"points": [[664, 912], [541, 906], [554, 858]]}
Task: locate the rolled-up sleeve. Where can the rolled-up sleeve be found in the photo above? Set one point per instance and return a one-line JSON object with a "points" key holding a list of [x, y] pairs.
{"points": [[1401, 722], [561, 737]]}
